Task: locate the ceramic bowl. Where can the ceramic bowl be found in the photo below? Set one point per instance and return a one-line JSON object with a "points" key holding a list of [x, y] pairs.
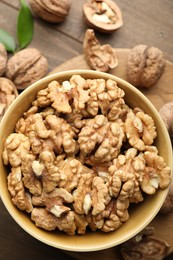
{"points": [[140, 215]]}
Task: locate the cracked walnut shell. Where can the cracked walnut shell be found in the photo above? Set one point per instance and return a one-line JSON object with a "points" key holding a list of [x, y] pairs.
{"points": [[25, 67], [145, 66], [99, 57], [103, 15], [52, 11]]}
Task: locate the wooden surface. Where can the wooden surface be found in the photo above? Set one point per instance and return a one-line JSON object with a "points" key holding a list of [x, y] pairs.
{"points": [[149, 22]]}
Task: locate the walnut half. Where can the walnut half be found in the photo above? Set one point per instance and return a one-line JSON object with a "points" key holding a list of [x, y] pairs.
{"points": [[103, 15], [99, 57]]}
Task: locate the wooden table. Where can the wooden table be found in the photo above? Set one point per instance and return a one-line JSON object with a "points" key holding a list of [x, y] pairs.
{"points": [[149, 22]]}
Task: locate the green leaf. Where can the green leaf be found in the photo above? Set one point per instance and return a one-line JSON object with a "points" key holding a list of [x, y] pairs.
{"points": [[7, 40], [25, 25]]}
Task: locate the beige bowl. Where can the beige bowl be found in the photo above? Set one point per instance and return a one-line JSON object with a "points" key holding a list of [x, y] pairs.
{"points": [[140, 216]]}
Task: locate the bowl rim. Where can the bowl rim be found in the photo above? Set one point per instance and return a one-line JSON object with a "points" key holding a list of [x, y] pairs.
{"points": [[93, 74]]}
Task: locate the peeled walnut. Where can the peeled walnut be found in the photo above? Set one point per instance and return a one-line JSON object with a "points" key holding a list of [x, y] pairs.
{"points": [[15, 148], [111, 219], [54, 201], [99, 57], [105, 137], [20, 197], [145, 65], [124, 175], [52, 11], [71, 170], [25, 67], [8, 93], [82, 194], [107, 97], [49, 221], [140, 129], [144, 246], [156, 174], [103, 15], [3, 59]]}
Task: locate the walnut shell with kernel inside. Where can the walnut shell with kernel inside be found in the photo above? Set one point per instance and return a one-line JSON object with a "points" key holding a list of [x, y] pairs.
{"points": [[25, 67], [52, 11], [145, 65], [103, 15]]}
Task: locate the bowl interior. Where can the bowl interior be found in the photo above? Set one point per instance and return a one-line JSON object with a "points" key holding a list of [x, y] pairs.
{"points": [[140, 215]]}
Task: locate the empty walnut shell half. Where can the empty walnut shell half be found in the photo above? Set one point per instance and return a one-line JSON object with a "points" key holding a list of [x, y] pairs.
{"points": [[8, 93], [103, 15], [99, 57], [145, 65], [53, 11], [26, 67], [3, 59]]}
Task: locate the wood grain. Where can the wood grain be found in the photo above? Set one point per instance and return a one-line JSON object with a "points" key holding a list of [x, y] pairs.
{"points": [[148, 22], [54, 45]]}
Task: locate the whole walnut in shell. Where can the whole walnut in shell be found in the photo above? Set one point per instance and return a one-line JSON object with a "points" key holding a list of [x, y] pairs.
{"points": [[53, 11], [145, 65], [25, 67], [3, 59]]}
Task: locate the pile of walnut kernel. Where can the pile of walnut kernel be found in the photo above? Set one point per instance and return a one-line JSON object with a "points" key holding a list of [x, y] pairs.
{"points": [[80, 156]]}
